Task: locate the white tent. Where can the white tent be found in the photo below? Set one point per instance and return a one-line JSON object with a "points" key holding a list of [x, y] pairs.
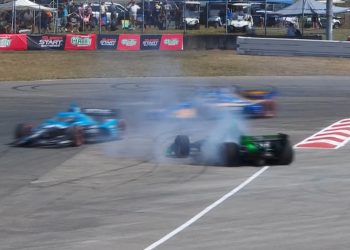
{"points": [[308, 7], [24, 5], [14, 6]]}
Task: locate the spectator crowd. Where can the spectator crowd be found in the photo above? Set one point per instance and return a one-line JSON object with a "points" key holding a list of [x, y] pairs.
{"points": [[73, 17]]}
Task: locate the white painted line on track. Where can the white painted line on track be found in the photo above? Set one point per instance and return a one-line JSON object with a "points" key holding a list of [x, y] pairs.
{"points": [[206, 210]]}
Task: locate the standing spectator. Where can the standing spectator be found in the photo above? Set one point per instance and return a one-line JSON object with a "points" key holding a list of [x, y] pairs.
{"points": [[178, 15], [81, 17], [81, 11], [230, 14], [88, 12], [103, 15], [155, 13], [133, 8], [59, 18], [113, 10], [44, 19], [28, 19], [64, 20], [315, 21], [167, 8], [114, 17], [73, 22], [86, 20], [162, 19]]}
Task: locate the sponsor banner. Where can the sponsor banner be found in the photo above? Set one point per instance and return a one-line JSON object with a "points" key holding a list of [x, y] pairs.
{"points": [[107, 41], [171, 42], [129, 42], [80, 42], [13, 42], [55, 42], [150, 42]]}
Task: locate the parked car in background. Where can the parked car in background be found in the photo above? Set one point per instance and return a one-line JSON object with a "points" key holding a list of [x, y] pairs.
{"points": [[242, 20], [192, 14], [323, 22], [335, 22], [216, 14]]}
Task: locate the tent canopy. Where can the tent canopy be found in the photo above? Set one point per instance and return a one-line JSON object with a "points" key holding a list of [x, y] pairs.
{"points": [[310, 7], [24, 5], [287, 2]]}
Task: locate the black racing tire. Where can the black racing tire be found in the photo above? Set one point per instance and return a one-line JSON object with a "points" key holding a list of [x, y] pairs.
{"points": [[76, 135], [182, 146], [286, 156], [230, 154], [23, 129]]}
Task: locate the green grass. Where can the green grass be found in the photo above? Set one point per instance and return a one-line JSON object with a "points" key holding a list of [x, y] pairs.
{"points": [[36, 65]]}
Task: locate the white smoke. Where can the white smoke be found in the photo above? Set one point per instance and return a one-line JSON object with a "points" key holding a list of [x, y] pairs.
{"points": [[148, 139]]}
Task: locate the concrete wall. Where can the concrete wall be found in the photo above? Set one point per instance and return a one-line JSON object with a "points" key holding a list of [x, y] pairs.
{"points": [[203, 42], [225, 42]]}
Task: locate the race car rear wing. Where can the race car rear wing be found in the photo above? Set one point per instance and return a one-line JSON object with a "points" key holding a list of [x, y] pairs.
{"points": [[261, 138]]}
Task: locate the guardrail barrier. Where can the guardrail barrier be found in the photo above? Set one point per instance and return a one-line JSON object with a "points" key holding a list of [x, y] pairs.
{"points": [[292, 47]]}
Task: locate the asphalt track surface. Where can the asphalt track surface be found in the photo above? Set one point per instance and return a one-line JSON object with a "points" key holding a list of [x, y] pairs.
{"points": [[126, 195]]}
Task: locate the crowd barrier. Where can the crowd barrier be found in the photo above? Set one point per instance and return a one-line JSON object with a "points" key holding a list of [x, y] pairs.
{"points": [[121, 42], [292, 47]]}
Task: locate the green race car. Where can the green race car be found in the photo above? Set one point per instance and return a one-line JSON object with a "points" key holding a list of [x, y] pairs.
{"points": [[248, 150]]}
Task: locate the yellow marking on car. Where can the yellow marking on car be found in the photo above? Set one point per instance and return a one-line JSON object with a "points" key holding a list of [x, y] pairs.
{"points": [[255, 92]]}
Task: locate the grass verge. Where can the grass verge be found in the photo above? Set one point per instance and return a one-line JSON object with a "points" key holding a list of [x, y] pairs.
{"points": [[36, 65]]}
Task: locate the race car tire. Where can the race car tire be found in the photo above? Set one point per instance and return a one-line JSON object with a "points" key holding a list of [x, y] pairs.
{"points": [[269, 108], [121, 124], [230, 154], [76, 135], [286, 156], [182, 146], [23, 129]]}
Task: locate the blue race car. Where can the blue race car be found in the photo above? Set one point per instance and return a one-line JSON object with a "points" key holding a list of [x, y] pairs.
{"points": [[72, 128], [214, 102]]}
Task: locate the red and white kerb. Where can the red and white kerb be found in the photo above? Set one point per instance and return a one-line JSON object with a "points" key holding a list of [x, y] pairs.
{"points": [[332, 137]]}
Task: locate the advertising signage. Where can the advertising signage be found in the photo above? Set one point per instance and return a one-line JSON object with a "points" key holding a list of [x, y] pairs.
{"points": [[150, 42], [13, 42], [80, 42], [45, 42], [171, 42], [129, 42], [107, 42]]}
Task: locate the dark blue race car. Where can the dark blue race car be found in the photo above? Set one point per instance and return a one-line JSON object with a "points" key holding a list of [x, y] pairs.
{"points": [[72, 128], [214, 102]]}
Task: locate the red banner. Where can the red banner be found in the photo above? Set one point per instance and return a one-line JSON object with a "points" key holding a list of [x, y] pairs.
{"points": [[171, 42], [13, 42], [129, 42], [80, 42]]}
